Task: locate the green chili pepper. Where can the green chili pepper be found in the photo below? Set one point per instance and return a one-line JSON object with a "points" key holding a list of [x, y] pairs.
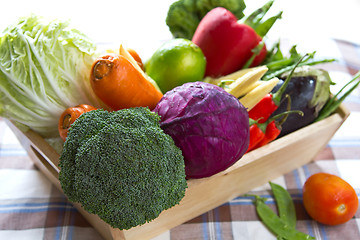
{"points": [[285, 205]]}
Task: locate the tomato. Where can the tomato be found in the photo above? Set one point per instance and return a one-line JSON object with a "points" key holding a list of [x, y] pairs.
{"points": [[329, 199]]}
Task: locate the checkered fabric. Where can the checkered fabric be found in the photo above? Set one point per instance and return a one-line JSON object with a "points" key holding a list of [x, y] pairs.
{"points": [[32, 208]]}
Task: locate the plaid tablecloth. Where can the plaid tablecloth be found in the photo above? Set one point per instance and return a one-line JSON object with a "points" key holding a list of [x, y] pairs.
{"points": [[32, 208]]}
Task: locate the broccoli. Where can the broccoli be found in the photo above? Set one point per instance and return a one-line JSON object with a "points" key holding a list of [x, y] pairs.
{"points": [[184, 16], [121, 166]]}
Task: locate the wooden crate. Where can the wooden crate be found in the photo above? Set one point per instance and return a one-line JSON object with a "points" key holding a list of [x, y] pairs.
{"points": [[252, 170]]}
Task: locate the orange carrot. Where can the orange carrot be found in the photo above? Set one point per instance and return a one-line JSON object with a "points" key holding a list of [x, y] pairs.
{"points": [[120, 83], [137, 58], [69, 116]]}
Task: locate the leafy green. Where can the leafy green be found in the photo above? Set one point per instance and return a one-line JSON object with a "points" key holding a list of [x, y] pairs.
{"points": [[121, 166], [44, 68], [184, 16], [255, 19], [279, 63]]}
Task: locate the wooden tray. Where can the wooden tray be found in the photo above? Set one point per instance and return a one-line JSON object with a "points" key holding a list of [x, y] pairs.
{"points": [[252, 170]]}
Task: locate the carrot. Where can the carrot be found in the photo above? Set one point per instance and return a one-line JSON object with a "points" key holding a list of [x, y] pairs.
{"points": [[137, 58], [69, 116], [119, 82]]}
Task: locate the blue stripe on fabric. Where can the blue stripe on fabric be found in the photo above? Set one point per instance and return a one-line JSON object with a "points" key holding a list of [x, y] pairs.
{"points": [[236, 201], [12, 152], [205, 227], [307, 175], [70, 233], [344, 143], [34, 204], [306, 171], [72, 209], [217, 224], [58, 228], [297, 179], [71, 227], [323, 232], [309, 228], [250, 197]]}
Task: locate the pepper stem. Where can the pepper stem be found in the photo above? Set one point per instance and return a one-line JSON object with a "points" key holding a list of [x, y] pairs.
{"points": [[286, 113]]}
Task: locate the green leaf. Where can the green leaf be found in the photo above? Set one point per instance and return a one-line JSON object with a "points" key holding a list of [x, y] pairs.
{"points": [[263, 28], [335, 101], [255, 18]]}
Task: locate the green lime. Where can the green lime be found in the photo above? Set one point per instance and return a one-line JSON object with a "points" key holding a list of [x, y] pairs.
{"points": [[176, 62]]}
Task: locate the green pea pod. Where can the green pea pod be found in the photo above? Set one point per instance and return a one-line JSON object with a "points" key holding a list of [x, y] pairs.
{"points": [[285, 204], [276, 225]]}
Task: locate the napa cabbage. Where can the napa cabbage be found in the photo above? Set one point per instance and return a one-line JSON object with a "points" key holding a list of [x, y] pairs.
{"points": [[44, 69]]}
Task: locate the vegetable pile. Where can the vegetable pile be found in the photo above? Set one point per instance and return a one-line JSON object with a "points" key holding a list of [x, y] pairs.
{"points": [[133, 132]]}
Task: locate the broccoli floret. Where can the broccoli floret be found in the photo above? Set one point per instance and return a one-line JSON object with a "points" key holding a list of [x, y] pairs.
{"points": [[184, 16], [121, 166]]}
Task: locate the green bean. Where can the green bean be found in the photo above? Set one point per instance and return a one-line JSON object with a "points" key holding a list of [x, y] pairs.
{"points": [[285, 204]]}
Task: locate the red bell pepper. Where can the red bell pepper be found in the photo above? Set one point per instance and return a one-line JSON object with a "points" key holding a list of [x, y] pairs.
{"points": [[230, 44], [225, 43]]}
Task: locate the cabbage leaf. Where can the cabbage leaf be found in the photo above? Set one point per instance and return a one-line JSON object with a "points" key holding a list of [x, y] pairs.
{"points": [[44, 69]]}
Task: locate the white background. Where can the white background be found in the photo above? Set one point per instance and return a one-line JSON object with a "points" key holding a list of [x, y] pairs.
{"points": [[140, 24]]}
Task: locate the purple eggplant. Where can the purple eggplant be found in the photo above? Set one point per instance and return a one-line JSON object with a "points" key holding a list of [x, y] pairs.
{"points": [[309, 90]]}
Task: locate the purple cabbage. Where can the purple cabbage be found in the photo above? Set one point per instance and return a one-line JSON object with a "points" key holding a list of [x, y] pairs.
{"points": [[209, 125]]}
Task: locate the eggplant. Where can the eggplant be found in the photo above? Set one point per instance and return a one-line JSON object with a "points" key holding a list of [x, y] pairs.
{"points": [[309, 90]]}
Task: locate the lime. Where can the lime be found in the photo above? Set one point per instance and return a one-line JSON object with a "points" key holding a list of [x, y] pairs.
{"points": [[176, 62]]}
